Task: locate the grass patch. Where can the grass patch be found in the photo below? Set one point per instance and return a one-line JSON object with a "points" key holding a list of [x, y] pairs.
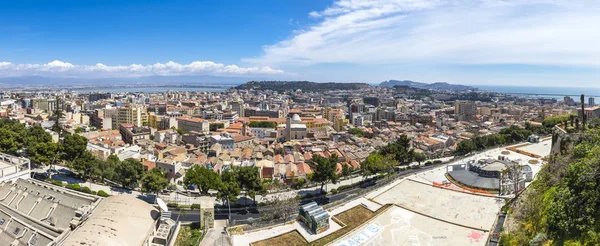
{"points": [[352, 218], [189, 235], [292, 238]]}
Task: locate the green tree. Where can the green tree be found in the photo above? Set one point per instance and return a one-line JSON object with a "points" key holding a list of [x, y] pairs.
{"points": [[346, 169], [10, 141], [214, 127], [129, 171], [36, 134], [154, 180], [262, 124], [377, 163], [583, 116], [399, 150], [201, 177], [57, 115], [229, 188], [73, 146], [324, 169], [249, 180], [43, 152], [79, 129], [106, 169], [179, 130], [356, 132], [419, 157], [84, 163]]}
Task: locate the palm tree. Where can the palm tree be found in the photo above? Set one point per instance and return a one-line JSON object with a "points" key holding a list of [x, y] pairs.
{"points": [[583, 111]]}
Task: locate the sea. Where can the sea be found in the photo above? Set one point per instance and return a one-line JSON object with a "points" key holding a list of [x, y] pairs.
{"points": [[544, 91], [557, 93], [153, 89]]}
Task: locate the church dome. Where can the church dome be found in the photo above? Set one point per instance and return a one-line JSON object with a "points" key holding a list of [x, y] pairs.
{"points": [[296, 118]]}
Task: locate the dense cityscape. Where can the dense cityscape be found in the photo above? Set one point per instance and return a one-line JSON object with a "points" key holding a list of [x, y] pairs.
{"points": [[253, 159], [295, 123]]}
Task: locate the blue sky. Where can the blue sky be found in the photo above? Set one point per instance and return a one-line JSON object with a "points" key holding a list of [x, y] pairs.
{"points": [[538, 42]]}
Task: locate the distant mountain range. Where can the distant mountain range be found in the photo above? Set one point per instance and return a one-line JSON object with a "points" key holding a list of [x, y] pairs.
{"points": [[14, 82], [433, 86]]}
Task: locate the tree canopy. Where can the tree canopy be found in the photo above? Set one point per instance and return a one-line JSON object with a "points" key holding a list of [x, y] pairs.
{"points": [[399, 150], [215, 126], [507, 135], [377, 163], [324, 169], [262, 124], [129, 172], [154, 180], [229, 188], [203, 178], [562, 207], [73, 146]]}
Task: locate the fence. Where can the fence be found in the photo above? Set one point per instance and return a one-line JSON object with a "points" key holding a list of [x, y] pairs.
{"points": [[350, 194]]}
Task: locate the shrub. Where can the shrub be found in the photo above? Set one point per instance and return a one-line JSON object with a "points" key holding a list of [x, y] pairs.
{"points": [[334, 191], [415, 167], [94, 192], [298, 197], [344, 187], [102, 193], [299, 183], [57, 182], [73, 187], [261, 204], [309, 195], [85, 189], [195, 206], [427, 163], [172, 205], [437, 161]]}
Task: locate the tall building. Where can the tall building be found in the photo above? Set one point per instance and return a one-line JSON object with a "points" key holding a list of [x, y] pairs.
{"points": [[98, 96], [47, 105], [371, 101], [465, 110], [569, 101], [237, 107], [591, 102], [158, 108], [132, 114], [188, 124]]}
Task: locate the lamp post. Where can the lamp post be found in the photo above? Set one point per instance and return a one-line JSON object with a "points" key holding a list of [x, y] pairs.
{"points": [[229, 214]]}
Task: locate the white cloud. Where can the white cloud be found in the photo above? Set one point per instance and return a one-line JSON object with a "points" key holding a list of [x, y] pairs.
{"points": [[60, 68], [536, 32]]}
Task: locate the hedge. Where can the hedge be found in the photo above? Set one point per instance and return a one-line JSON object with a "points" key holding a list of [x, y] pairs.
{"points": [[102, 193], [57, 182]]}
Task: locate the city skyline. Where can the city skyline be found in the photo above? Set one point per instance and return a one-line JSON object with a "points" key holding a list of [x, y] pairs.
{"points": [[535, 43]]}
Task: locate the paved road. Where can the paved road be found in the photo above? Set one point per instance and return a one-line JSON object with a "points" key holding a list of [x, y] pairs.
{"points": [[216, 236], [241, 215]]}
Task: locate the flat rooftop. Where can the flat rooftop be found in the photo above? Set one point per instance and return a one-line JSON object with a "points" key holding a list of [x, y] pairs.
{"points": [[401, 227], [468, 210]]}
